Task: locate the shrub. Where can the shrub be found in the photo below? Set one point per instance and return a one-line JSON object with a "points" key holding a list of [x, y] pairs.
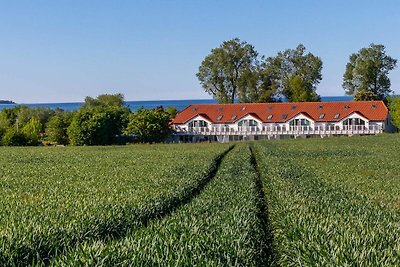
{"points": [[97, 126], [56, 128], [32, 131], [13, 137], [149, 125]]}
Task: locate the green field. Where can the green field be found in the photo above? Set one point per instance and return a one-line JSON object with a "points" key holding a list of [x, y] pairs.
{"points": [[304, 202]]}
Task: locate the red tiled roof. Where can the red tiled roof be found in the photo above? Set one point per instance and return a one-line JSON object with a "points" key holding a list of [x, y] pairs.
{"points": [[230, 113]]}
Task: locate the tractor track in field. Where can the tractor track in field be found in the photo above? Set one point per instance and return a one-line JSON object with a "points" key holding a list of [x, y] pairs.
{"points": [[167, 208], [268, 249]]}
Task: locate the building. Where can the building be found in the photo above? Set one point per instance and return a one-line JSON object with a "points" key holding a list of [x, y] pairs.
{"points": [[259, 121]]}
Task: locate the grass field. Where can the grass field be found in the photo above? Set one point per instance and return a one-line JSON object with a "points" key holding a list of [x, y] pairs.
{"points": [[304, 202]]}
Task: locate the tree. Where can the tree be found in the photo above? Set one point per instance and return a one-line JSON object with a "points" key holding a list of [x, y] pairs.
{"points": [[366, 75], [105, 100], [295, 74], [172, 111], [56, 128], [232, 71], [97, 126], [14, 137], [32, 131], [394, 107], [149, 125]]}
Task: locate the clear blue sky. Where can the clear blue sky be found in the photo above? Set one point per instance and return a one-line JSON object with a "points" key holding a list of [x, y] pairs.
{"points": [[62, 51]]}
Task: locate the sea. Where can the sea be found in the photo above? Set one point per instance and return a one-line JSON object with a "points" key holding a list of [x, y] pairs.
{"points": [[135, 105]]}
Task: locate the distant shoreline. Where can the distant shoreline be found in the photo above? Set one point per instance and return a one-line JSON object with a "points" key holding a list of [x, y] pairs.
{"points": [[5, 102], [135, 105]]}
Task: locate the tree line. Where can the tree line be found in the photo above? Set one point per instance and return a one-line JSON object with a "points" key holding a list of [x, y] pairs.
{"points": [[104, 120], [235, 71]]}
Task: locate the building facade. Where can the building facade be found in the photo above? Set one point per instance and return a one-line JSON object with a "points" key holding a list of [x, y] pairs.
{"points": [[260, 121]]}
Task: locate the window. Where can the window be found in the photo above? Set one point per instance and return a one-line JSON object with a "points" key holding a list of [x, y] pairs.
{"points": [[293, 107], [353, 122], [284, 116], [194, 109], [269, 107], [299, 122], [373, 106], [321, 116], [198, 123], [248, 123], [243, 108], [219, 109], [219, 118], [336, 116], [233, 117], [346, 106], [270, 117], [320, 107]]}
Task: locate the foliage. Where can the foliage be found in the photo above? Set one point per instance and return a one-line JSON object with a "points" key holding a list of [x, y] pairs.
{"points": [[32, 131], [394, 107], [296, 74], [56, 128], [14, 137], [149, 125], [366, 75], [97, 126], [104, 100], [7, 117], [233, 71], [172, 111], [20, 115], [63, 197]]}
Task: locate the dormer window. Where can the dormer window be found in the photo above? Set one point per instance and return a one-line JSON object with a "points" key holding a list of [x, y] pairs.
{"points": [[233, 117], [373, 106], [270, 117], [219, 109], [284, 116], [321, 116], [269, 107], [346, 106], [243, 108], [293, 107], [194, 109], [320, 107], [336, 116], [219, 118]]}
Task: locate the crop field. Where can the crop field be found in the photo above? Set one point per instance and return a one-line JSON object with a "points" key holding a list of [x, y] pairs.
{"points": [[333, 202], [54, 198], [304, 202]]}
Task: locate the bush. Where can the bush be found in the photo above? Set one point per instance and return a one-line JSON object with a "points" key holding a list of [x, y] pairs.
{"points": [[97, 126], [32, 131], [13, 137], [56, 128], [149, 125]]}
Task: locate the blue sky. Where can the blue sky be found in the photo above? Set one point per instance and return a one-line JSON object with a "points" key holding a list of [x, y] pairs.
{"points": [[62, 51]]}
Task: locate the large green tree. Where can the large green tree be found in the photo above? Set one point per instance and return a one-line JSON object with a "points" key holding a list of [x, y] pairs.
{"points": [[99, 121], [104, 100], [295, 74], [97, 126], [233, 71], [366, 75], [149, 125], [56, 128], [394, 107]]}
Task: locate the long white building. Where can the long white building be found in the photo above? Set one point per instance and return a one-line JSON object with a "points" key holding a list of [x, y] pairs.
{"points": [[258, 121]]}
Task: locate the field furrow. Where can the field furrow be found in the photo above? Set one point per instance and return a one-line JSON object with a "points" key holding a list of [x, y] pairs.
{"points": [[321, 221], [223, 226], [54, 199]]}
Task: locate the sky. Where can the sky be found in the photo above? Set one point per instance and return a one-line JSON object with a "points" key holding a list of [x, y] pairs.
{"points": [[62, 51]]}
